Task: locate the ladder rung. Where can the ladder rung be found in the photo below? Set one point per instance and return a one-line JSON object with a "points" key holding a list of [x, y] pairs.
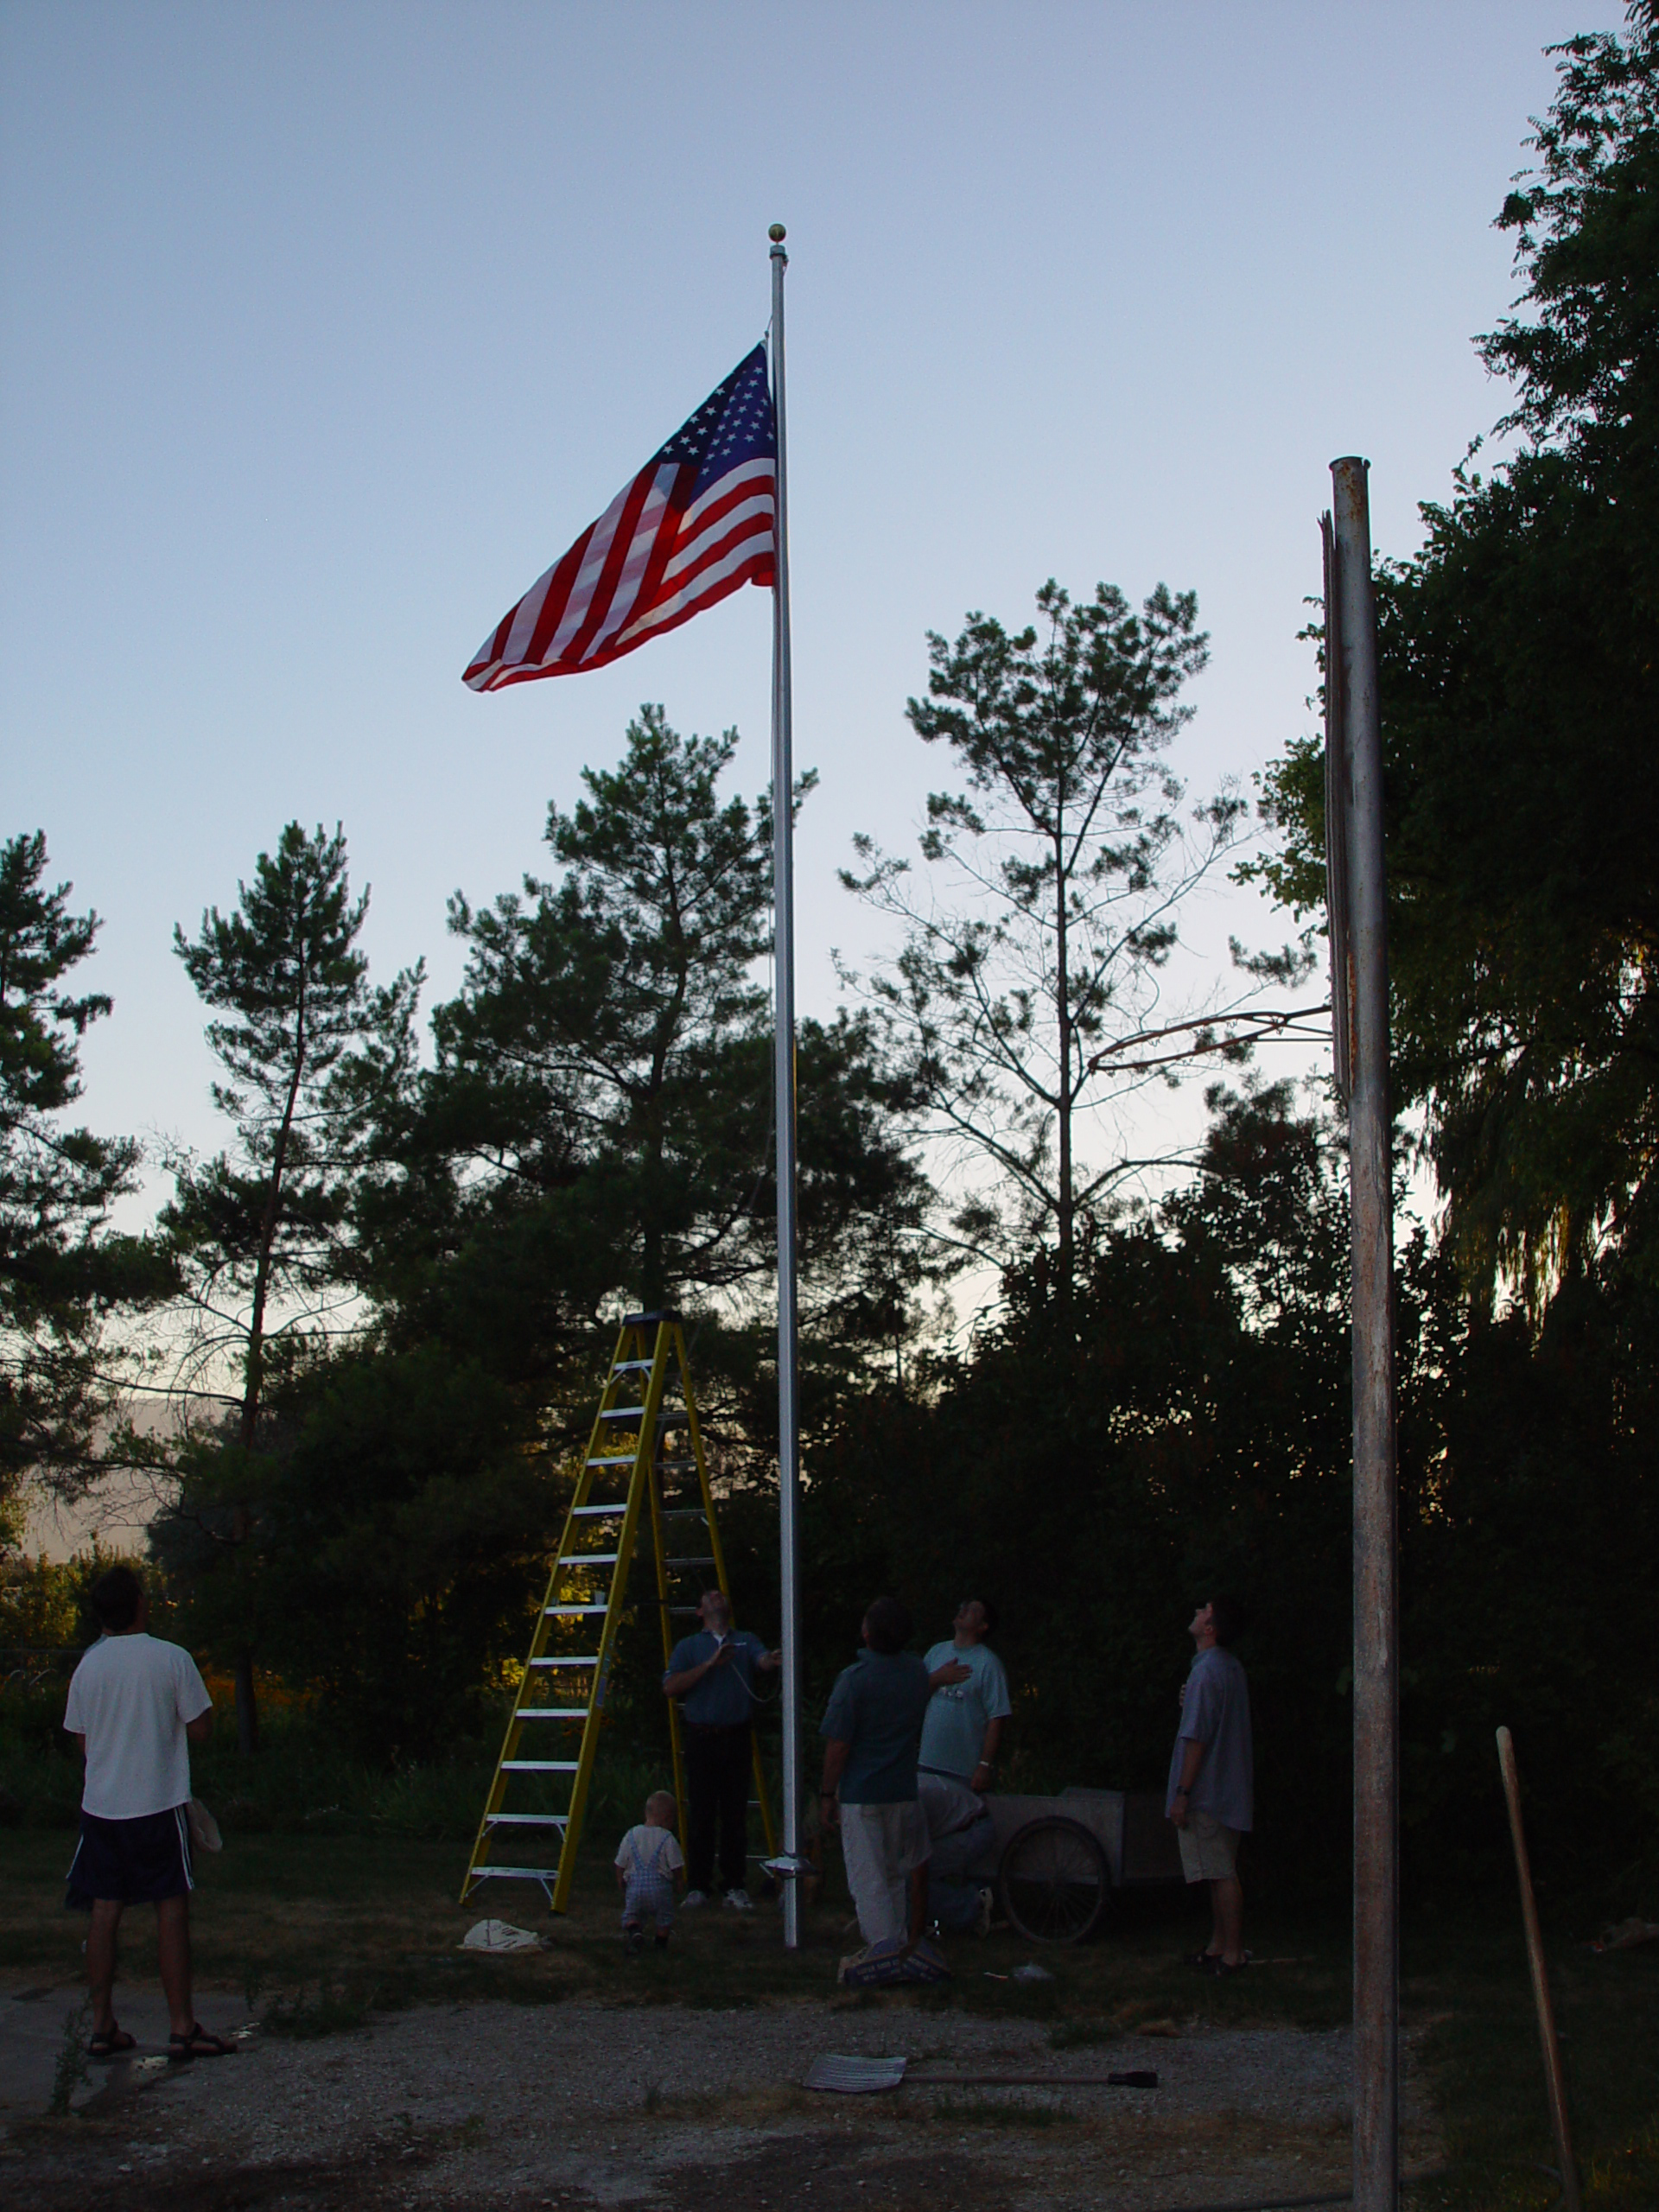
{"points": [[660, 1406]]}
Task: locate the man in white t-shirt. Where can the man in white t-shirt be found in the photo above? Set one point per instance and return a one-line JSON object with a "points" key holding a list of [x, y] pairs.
{"points": [[963, 1728], [135, 1705]]}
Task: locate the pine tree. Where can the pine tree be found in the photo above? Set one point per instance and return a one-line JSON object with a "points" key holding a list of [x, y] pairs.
{"points": [[309, 1049], [1049, 910], [61, 1272]]}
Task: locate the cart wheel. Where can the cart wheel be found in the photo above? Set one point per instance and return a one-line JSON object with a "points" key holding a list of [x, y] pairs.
{"points": [[1056, 1882]]}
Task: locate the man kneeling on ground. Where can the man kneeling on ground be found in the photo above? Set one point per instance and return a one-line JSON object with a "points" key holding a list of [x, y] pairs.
{"points": [[135, 1705], [962, 1836]]}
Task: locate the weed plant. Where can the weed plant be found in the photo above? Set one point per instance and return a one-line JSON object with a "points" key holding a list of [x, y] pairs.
{"points": [[72, 2068]]}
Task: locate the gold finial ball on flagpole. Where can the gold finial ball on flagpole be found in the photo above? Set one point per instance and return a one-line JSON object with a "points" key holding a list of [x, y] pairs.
{"points": [[777, 234]]}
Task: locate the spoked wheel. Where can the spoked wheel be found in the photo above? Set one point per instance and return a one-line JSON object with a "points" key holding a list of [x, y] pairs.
{"points": [[1056, 1882]]}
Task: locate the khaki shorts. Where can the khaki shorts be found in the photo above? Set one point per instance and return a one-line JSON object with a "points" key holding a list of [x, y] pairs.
{"points": [[881, 1845], [1208, 1850]]}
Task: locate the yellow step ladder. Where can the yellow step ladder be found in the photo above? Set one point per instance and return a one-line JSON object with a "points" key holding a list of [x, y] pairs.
{"points": [[645, 1442]]}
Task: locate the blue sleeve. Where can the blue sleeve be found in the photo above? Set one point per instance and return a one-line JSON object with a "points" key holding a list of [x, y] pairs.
{"points": [[997, 1705], [1201, 1714], [680, 1657], [841, 1714]]}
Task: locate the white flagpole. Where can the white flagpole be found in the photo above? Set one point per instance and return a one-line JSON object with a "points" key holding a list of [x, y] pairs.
{"points": [[783, 874]]}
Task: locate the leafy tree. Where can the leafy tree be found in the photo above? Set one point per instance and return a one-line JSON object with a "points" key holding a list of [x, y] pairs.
{"points": [[307, 1049], [1040, 940], [1185, 1427], [599, 1123], [396, 1541], [61, 1270], [1198, 1435], [1520, 691]]}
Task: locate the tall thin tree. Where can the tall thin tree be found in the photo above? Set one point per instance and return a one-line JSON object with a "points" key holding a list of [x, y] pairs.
{"points": [[1049, 912], [304, 1042]]}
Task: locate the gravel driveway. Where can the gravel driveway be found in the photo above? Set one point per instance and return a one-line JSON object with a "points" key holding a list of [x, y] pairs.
{"points": [[581, 2104]]}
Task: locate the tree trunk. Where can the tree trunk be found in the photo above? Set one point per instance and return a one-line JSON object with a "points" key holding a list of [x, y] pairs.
{"points": [[1066, 1238], [247, 1706]]}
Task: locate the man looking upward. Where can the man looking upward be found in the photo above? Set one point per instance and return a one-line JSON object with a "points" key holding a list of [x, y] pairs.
{"points": [[714, 1672], [963, 1728], [1211, 1797]]}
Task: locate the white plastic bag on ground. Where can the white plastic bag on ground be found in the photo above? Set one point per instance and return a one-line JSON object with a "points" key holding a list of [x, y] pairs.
{"points": [[498, 1936]]}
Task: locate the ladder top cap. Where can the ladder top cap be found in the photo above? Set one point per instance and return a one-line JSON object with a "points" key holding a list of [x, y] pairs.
{"points": [[638, 1320]]}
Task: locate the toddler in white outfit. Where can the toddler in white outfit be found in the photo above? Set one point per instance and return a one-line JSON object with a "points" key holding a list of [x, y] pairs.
{"points": [[647, 1862]]}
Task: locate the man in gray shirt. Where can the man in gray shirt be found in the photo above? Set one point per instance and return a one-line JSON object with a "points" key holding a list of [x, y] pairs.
{"points": [[1211, 1797]]}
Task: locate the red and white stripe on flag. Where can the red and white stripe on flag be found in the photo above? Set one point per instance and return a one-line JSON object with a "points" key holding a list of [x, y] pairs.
{"points": [[698, 520]]}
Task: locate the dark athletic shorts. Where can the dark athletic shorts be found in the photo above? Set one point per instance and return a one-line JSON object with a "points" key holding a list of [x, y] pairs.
{"points": [[131, 1862]]}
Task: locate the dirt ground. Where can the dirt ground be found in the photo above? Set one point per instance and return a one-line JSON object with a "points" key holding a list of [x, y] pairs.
{"points": [[487, 2104]]}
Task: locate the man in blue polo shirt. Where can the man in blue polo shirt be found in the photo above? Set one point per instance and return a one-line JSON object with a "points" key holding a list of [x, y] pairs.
{"points": [[873, 1730], [713, 1672]]}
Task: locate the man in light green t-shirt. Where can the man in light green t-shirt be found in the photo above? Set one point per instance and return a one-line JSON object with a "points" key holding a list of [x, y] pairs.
{"points": [[970, 1703]]}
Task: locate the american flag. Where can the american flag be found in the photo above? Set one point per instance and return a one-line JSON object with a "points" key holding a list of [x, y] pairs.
{"points": [[697, 521]]}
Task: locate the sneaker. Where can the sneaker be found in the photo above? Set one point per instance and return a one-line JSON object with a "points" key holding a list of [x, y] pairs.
{"points": [[740, 1901], [634, 1937], [693, 1896], [983, 1917]]}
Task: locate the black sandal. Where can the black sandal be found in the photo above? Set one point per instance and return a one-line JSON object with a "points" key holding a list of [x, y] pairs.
{"points": [[198, 2044], [110, 2043]]}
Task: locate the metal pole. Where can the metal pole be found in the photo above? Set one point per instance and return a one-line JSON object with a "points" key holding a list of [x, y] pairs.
{"points": [[1554, 2085], [1377, 1964], [782, 877]]}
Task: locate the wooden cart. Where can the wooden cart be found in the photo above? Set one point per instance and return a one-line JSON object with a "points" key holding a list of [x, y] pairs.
{"points": [[1055, 1861]]}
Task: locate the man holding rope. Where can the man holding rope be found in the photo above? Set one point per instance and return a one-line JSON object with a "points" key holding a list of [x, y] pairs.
{"points": [[713, 1672]]}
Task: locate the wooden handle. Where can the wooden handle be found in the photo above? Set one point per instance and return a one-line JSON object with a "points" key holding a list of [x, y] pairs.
{"points": [[1553, 2080]]}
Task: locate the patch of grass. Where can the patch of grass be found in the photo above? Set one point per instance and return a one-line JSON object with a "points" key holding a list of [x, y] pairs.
{"points": [[1080, 2035], [335, 2010], [1482, 2056], [304, 1782]]}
